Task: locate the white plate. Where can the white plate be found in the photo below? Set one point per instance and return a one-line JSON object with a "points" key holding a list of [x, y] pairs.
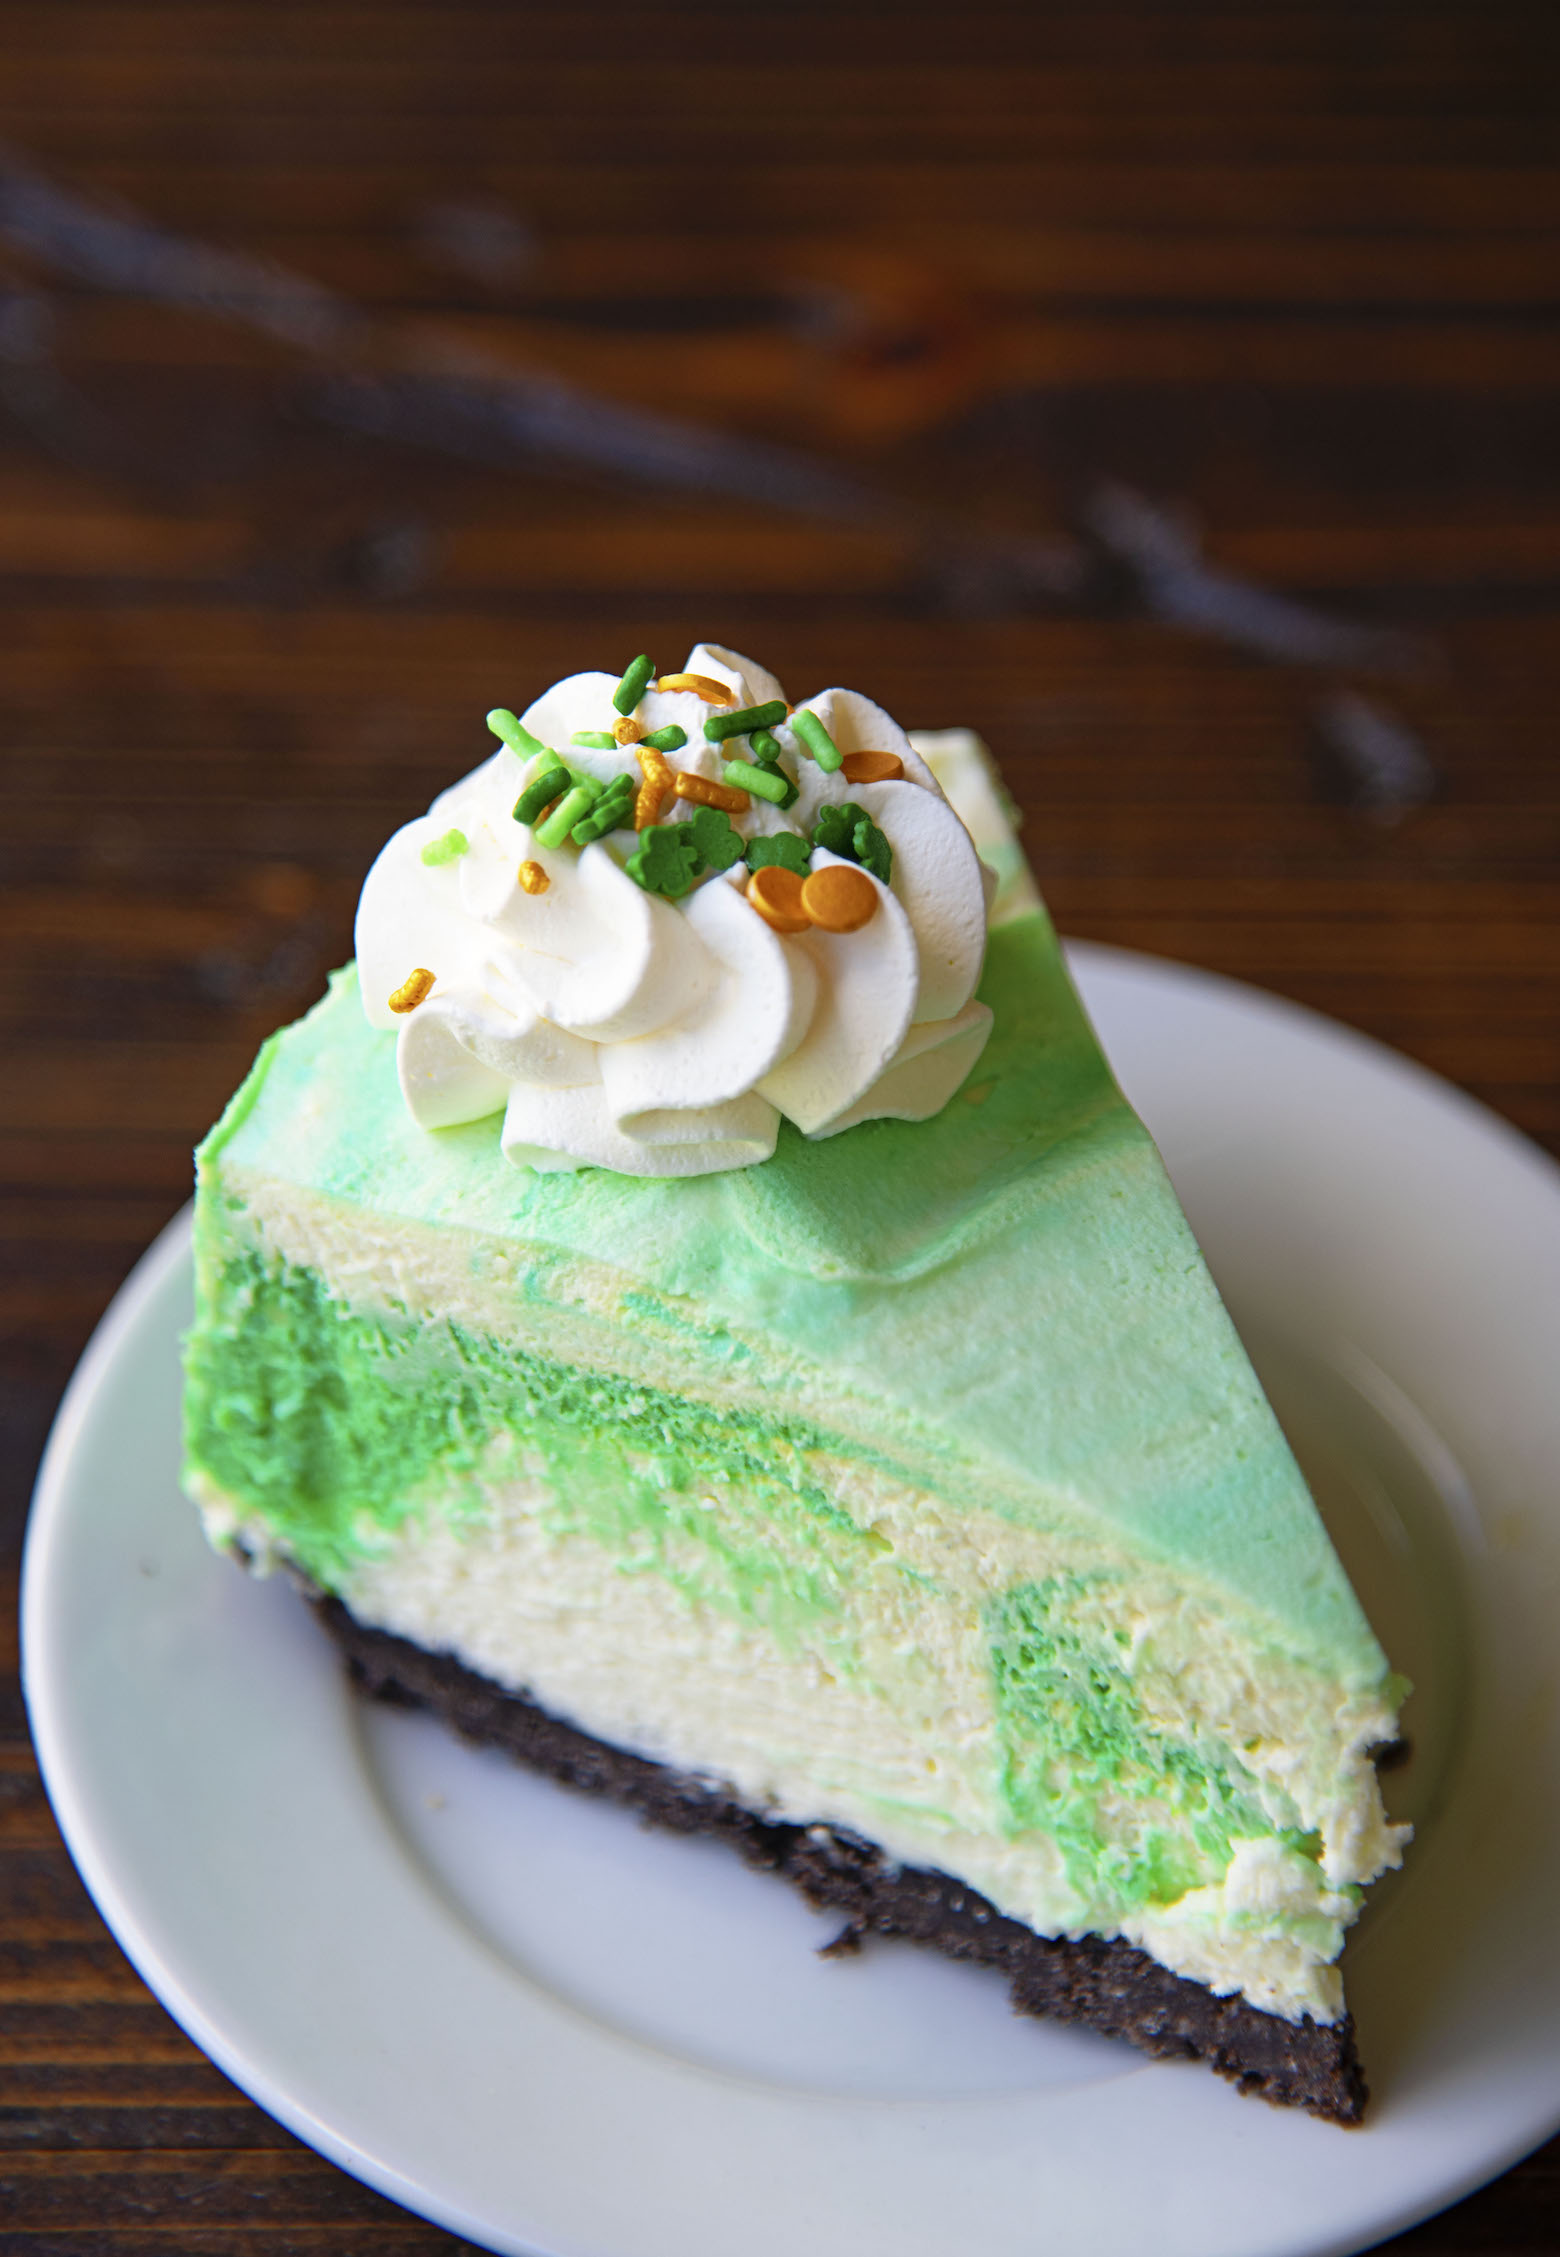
{"points": [[519, 2014]]}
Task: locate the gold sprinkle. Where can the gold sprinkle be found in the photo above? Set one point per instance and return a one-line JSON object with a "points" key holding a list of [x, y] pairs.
{"points": [[713, 693], [414, 989], [652, 792], [533, 878], [628, 732], [776, 893], [838, 898], [705, 793], [872, 768]]}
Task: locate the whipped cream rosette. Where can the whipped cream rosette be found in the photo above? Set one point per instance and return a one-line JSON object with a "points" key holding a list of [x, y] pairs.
{"points": [[669, 910]]}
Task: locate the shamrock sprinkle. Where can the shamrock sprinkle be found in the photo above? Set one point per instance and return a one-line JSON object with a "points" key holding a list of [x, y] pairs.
{"points": [[714, 840], [672, 855], [666, 862], [787, 849], [849, 831]]}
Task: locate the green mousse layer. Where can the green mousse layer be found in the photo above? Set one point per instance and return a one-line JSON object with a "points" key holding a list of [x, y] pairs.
{"points": [[1071, 1730], [332, 1429]]}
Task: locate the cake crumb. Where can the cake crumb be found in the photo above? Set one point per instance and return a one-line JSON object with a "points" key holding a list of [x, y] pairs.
{"points": [[845, 1945]]}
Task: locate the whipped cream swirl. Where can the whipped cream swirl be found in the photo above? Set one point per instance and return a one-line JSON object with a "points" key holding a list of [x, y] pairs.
{"points": [[614, 1028]]}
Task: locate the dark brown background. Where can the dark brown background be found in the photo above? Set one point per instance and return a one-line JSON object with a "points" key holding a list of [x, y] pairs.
{"points": [[1291, 272]]}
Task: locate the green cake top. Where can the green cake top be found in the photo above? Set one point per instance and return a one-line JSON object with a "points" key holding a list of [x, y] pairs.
{"points": [[1007, 1294]]}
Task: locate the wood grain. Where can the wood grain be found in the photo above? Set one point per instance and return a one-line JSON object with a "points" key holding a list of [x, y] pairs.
{"points": [[1292, 272]]}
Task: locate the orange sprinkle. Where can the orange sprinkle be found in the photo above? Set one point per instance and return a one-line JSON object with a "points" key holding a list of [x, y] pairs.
{"points": [[533, 878], [413, 990], [776, 893], [627, 732], [652, 792], [713, 693], [704, 793], [872, 768], [838, 898]]}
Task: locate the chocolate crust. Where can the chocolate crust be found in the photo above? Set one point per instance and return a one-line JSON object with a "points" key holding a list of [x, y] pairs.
{"points": [[1102, 1982]]}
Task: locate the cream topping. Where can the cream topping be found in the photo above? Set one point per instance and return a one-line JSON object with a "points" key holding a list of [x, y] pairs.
{"points": [[616, 1028]]}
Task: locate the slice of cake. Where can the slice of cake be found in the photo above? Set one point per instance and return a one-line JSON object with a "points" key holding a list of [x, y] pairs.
{"points": [[697, 1308]]}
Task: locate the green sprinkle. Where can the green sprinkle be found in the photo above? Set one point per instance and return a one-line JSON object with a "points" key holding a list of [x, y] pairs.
{"points": [[671, 855], [584, 781], [873, 851], [606, 815], [849, 831], [763, 783], [714, 840], [667, 861], [610, 811], [574, 803], [595, 740], [744, 717], [834, 827], [448, 849], [787, 848], [503, 724], [542, 790], [810, 730], [636, 680], [669, 739], [621, 787], [766, 757]]}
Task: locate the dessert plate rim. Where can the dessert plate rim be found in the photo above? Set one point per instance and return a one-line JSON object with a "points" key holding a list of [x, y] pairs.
{"points": [[397, 1997]]}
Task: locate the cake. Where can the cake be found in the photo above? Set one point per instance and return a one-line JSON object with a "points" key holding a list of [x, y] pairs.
{"points": [[695, 1309]]}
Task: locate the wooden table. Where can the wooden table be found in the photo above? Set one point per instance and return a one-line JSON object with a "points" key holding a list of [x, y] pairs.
{"points": [[988, 305]]}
